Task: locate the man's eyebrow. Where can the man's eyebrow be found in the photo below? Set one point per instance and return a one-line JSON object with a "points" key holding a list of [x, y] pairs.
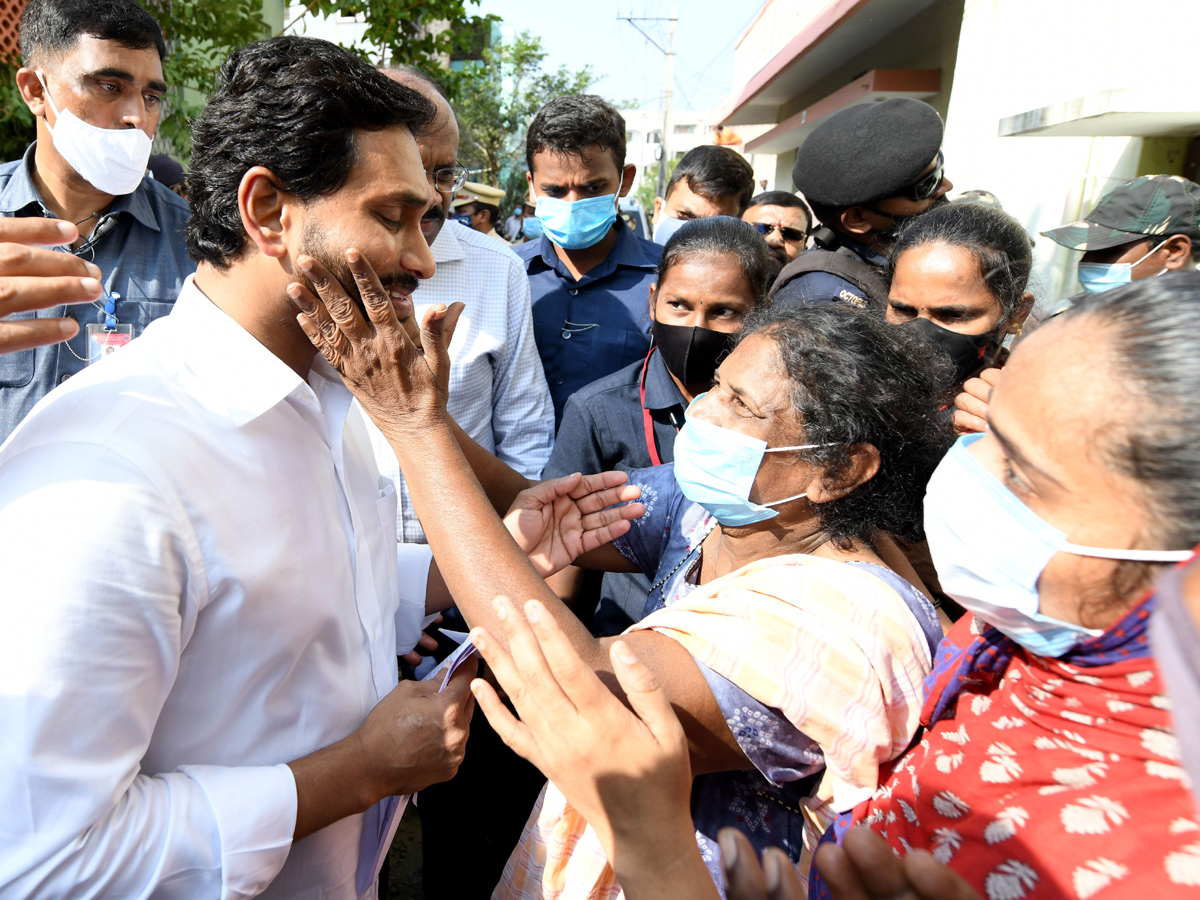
{"points": [[122, 75], [407, 198], [1024, 461]]}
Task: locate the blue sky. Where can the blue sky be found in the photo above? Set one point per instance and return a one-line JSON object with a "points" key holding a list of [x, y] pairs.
{"points": [[587, 32]]}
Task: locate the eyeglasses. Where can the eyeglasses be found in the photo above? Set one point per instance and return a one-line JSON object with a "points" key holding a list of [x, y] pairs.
{"points": [[927, 186], [448, 179], [788, 234]]}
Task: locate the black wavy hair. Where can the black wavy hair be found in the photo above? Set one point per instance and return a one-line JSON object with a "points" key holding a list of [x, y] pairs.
{"points": [[55, 26], [715, 172], [1001, 247], [568, 125], [857, 380], [291, 104], [720, 236]]}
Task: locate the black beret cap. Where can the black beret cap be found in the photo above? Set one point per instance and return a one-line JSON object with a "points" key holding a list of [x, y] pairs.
{"points": [[867, 152]]}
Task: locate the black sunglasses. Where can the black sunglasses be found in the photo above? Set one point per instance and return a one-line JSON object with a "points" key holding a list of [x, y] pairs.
{"points": [[926, 187], [788, 234]]}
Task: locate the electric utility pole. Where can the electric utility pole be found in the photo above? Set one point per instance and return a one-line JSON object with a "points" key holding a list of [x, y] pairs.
{"points": [[669, 91]]}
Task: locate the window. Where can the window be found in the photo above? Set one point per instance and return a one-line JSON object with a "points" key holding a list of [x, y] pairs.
{"points": [[684, 129]]}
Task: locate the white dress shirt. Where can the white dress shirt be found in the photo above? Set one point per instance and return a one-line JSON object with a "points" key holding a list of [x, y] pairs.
{"points": [[199, 585], [498, 390]]}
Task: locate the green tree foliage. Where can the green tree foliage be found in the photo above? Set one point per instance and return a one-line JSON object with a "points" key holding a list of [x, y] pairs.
{"points": [[201, 34], [496, 104]]}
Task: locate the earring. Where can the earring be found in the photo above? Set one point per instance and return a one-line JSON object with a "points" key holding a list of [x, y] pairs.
{"points": [[1018, 331]]}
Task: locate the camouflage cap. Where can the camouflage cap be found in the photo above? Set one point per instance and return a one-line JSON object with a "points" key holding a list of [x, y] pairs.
{"points": [[1145, 207]]}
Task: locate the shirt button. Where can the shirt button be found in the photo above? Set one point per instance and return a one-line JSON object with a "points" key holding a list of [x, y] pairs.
{"points": [[62, 379], [566, 335], [572, 291], [558, 380]]}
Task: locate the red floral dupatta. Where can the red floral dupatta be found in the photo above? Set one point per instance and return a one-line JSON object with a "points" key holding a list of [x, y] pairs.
{"points": [[1044, 777]]}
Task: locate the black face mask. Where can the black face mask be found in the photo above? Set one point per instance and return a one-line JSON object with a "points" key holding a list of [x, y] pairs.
{"points": [[970, 353], [691, 354]]}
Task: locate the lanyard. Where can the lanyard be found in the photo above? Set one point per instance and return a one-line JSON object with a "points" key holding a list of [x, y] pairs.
{"points": [[647, 422]]}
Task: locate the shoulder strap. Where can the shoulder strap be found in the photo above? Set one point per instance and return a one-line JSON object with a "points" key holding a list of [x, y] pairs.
{"points": [[830, 256]]}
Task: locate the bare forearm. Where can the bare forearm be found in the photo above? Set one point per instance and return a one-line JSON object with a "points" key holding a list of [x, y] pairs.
{"points": [[659, 868], [477, 559], [500, 481], [330, 785]]}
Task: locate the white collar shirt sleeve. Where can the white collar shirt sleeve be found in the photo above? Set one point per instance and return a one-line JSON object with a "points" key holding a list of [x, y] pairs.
{"points": [[498, 390], [200, 586]]}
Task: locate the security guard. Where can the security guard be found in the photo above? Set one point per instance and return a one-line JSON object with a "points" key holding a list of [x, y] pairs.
{"points": [[481, 204]]}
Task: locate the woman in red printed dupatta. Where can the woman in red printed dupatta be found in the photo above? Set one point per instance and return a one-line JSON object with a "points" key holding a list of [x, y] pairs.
{"points": [[1047, 765]]}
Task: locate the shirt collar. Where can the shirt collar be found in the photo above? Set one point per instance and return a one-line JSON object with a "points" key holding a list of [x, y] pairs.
{"points": [[627, 251], [661, 390], [233, 372], [20, 193], [447, 246]]}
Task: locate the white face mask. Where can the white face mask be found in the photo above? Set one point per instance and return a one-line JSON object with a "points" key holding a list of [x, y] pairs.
{"points": [[112, 160]]}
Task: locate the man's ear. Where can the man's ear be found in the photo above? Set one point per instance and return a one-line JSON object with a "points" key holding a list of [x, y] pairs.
{"points": [[854, 221], [529, 181], [827, 485], [653, 291], [1179, 252], [266, 210], [659, 203], [32, 91], [627, 175]]}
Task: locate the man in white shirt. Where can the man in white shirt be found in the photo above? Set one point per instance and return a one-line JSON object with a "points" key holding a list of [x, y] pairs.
{"points": [[203, 601], [498, 390]]}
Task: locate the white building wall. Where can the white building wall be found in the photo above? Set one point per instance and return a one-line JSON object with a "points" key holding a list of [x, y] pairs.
{"points": [[1018, 55]]}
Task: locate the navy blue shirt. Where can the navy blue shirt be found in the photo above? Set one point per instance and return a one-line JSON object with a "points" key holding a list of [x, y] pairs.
{"points": [[140, 247], [603, 428], [818, 288], [592, 327]]}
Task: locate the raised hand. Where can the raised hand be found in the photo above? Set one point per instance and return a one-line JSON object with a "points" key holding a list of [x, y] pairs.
{"points": [[400, 378], [558, 520], [745, 879], [970, 407], [32, 277], [626, 771], [865, 868]]}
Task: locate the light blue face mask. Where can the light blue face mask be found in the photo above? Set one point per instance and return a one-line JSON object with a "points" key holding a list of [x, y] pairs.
{"points": [[990, 549], [666, 227], [716, 468], [574, 225], [1096, 278], [532, 228]]}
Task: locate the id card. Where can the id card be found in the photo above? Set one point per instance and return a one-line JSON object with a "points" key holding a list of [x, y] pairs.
{"points": [[102, 342]]}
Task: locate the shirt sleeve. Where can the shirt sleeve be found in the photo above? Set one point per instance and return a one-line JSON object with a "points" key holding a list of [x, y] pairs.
{"points": [[646, 540], [103, 582], [412, 563], [577, 448], [522, 411]]}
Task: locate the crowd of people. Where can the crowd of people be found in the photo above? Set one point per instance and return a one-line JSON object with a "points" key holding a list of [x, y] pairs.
{"points": [[798, 551]]}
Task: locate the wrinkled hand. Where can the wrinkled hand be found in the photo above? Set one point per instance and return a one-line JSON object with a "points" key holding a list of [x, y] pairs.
{"points": [[970, 407], [32, 278], [400, 378], [745, 879], [556, 521], [865, 868], [627, 772], [415, 737]]}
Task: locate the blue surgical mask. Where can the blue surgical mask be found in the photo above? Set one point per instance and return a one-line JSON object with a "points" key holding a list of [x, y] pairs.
{"points": [[990, 549], [1096, 278], [532, 228], [461, 218], [574, 225], [716, 468], [667, 226]]}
